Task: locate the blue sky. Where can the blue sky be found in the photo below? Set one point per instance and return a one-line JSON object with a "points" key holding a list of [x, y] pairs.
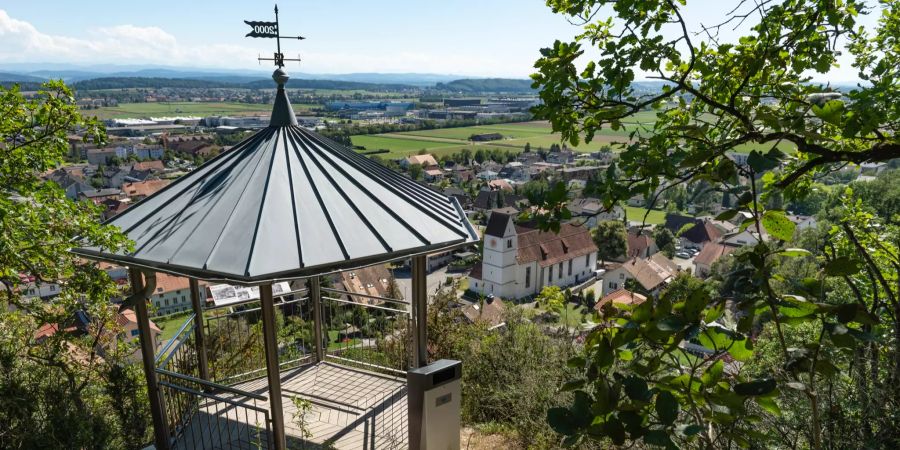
{"points": [[464, 37]]}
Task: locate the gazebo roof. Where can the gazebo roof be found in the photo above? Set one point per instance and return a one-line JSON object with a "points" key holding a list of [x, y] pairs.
{"points": [[285, 203]]}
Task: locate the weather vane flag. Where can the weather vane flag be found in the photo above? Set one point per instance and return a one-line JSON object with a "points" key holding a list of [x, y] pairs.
{"points": [[262, 29]]}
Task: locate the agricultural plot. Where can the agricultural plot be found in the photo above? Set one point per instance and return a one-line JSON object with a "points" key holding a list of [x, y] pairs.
{"points": [[145, 110]]}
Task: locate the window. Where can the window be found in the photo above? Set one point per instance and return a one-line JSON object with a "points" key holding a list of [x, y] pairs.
{"points": [[167, 302], [613, 285], [560, 270], [570, 267], [550, 274], [509, 243], [528, 277], [135, 332], [621, 276], [182, 299], [587, 260]]}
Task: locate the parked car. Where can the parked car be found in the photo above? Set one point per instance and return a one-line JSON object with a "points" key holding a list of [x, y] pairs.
{"points": [[682, 255]]}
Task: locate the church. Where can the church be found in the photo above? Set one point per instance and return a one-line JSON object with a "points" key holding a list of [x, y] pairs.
{"points": [[519, 260]]}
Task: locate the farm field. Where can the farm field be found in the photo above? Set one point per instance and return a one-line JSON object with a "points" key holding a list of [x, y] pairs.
{"points": [[145, 110], [656, 217]]}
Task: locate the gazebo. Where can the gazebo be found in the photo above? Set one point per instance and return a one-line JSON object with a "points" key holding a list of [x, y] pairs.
{"points": [[285, 204]]}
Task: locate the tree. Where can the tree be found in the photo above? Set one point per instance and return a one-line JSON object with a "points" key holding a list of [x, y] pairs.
{"points": [[665, 240], [552, 298], [611, 239], [527, 148], [57, 389], [637, 386], [415, 171]]}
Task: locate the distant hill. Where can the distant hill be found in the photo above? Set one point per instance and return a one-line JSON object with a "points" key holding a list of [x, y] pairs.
{"points": [[4, 76], [142, 82], [226, 82], [480, 85]]}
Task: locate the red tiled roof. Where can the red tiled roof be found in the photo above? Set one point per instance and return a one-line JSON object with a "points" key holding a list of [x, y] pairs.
{"points": [[549, 248], [128, 316], [712, 251], [622, 297], [651, 272], [149, 165], [144, 188], [638, 243], [476, 272]]}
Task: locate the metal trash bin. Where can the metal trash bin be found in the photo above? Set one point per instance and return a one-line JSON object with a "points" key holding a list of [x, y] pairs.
{"points": [[434, 405]]}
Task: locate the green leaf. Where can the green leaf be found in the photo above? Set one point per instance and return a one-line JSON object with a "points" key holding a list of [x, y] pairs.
{"points": [[761, 163], [727, 214], [755, 388], [769, 404], [572, 385], [636, 388], [561, 420], [670, 323], [778, 225], [658, 438], [713, 373], [666, 407], [691, 430], [842, 266], [829, 112]]}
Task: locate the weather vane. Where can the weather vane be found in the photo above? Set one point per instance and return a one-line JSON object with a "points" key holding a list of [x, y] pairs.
{"points": [[271, 30]]}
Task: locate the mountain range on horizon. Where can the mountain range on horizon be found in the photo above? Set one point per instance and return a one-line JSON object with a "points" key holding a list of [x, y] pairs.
{"points": [[73, 72]]}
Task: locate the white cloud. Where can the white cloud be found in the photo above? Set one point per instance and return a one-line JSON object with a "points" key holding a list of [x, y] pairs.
{"points": [[128, 44]]}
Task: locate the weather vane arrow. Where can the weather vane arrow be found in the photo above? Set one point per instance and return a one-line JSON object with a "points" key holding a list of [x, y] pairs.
{"points": [[263, 29]]}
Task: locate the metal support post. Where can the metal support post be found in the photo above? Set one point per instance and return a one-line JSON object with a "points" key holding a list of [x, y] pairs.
{"points": [[272, 370], [148, 357], [199, 332], [420, 310], [315, 296]]}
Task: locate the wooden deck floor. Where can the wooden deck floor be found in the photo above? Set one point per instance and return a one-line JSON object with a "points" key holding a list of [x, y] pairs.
{"points": [[351, 409]]}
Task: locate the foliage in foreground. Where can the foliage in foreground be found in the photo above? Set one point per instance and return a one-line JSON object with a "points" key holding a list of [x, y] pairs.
{"points": [[58, 391], [792, 346]]}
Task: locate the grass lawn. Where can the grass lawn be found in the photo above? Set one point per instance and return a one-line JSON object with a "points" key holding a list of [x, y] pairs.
{"points": [[398, 147], [141, 110], [655, 217], [573, 316], [334, 345], [170, 324]]}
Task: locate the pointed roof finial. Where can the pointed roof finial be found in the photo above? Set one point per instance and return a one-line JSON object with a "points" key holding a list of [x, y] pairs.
{"points": [[282, 112]]}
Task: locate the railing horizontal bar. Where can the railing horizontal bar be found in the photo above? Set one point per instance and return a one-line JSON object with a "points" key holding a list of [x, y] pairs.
{"points": [[211, 384], [232, 377], [212, 396], [172, 341], [402, 372], [338, 291], [365, 305]]}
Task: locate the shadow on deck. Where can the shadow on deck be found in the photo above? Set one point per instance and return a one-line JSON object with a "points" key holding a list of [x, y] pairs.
{"points": [[351, 409]]}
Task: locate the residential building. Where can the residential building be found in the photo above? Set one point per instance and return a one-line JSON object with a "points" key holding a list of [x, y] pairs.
{"points": [[640, 244], [426, 161], [173, 294], [487, 200], [620, 297], [490, 312], [518, 260], [652, 274], [694, 232], [99, 195], [368, 281], [140, 190], [591, 211], [711, 253]]}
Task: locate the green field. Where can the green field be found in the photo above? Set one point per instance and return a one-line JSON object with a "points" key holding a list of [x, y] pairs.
{"points": [[144, 110], [656, 217]]}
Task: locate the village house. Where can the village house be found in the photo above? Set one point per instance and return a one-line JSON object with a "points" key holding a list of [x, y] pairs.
{"points": [[694, 232], [711, 253], [141, 190], [620, 297], [426, 161], [591, 211], [640, 244], [173, 294], [372, 281], [518, 261], [652, 274], [491, 312], [99, 195]]}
